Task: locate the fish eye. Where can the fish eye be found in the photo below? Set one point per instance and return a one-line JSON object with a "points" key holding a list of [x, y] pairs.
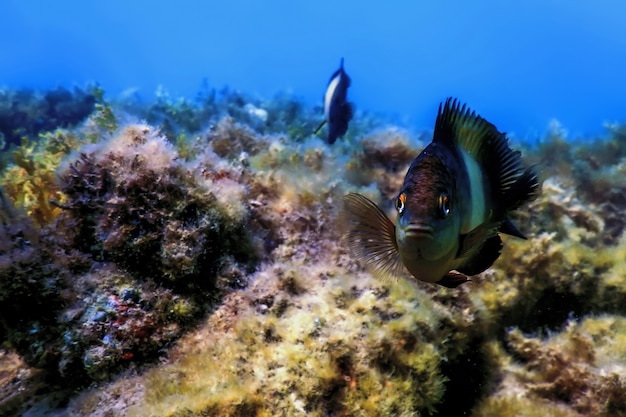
{"points": [[400, 203], [444, 205]]}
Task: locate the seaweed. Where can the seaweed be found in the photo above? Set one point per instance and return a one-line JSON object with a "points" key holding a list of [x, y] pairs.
{"points": [[27, 113], [203, 248]]}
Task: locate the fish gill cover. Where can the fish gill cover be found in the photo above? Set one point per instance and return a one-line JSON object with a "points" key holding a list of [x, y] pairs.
{"points": [[168, 256]]}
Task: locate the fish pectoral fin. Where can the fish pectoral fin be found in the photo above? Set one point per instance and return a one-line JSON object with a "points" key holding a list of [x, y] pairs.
{"points": [[371, 235], [453, 280], [486, 255], [319, 127]]}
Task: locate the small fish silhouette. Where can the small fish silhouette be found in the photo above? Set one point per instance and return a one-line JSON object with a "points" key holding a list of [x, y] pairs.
{"points": [[337, 110]]}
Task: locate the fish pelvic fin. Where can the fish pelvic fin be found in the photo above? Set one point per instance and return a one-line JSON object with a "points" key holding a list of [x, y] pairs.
{"points": [[321, 125], [371, 236], [453, 280]]}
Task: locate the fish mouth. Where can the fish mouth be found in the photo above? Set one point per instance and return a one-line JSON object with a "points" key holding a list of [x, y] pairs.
{"points": [[419, 231]]}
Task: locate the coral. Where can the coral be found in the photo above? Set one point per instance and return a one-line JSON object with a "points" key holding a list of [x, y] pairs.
{"points": [[311, 335], [285, 114], [569, 270], [141, 245], [182, 115], [30, 178], [594, 169]]}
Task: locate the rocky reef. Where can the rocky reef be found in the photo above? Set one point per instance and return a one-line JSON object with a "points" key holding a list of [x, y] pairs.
{"points": [[192, 265]]}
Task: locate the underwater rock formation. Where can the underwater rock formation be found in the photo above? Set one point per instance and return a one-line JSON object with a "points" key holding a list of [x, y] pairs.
{"points": [[577, 372], [31, 288], [133, 203], [141, 246], [212, 247]]}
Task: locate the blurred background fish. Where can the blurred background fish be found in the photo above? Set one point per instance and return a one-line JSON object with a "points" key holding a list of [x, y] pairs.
{"points": [[453, 203], [337, 110]]}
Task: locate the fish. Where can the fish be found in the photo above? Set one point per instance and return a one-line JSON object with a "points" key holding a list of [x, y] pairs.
{"points": [[337, 110], [454, 203]]}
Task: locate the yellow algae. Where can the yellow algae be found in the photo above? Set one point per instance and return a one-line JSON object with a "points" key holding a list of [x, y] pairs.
{"points": [[31, 180]]}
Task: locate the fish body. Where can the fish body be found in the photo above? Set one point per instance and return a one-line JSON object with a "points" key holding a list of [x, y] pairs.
{"points": [[337, 109], [453, 204]]}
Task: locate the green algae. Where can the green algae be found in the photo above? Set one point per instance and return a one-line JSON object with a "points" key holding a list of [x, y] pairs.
{"points": [[295, 327], [576, 372], [301, 358]]}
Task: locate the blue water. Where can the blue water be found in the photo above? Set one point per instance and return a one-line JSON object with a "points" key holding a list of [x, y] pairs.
{"points": [[520, 64]]}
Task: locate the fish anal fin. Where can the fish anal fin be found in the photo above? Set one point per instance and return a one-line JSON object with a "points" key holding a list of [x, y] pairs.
{"points": [[453, 279], [370, 235]]}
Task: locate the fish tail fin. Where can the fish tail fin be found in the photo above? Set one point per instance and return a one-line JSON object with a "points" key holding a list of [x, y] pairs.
{"points": [[371, 236]]}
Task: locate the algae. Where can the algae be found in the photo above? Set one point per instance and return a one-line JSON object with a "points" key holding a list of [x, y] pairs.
{"points": [[194, 266]]}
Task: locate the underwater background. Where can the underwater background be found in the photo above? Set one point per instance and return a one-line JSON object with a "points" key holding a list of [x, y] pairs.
{"points": [[169, 243]]}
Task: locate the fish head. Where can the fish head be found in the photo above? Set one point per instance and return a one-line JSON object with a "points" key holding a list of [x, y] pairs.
{"points": [[428, 215]]}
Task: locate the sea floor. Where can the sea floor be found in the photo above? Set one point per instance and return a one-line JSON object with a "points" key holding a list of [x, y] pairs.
{"points": [[185, 258]]}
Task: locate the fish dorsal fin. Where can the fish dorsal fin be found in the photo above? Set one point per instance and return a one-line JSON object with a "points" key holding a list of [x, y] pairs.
{"points": [[340, 72], [458, 126]]}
